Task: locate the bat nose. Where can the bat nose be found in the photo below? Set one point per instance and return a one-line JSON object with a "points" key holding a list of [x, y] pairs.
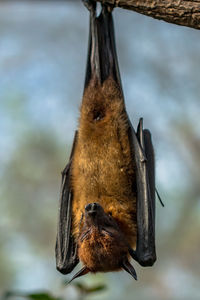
{"points": [[92, 208]]}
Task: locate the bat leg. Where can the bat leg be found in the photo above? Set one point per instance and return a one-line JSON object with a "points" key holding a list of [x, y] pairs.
{"points": [[145, 253], [107, 47], [102, 61]]}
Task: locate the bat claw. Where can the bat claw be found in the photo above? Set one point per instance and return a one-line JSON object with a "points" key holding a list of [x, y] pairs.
{"points": [[159, 198], [129, 269], [90, 5], [82, 272], [107, 8]]}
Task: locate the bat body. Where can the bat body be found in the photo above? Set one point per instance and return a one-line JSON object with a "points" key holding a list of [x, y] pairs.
{"points": [[104, 173], [107, 205], [102, 168]]}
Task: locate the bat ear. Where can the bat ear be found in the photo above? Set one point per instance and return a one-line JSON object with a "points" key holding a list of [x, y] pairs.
{"points": [[129, 268], [80, 273]]}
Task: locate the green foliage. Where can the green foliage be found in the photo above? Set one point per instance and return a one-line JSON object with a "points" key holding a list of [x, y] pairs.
{"points": [[34, 296], [89, 290], [41, 296], [82, 290]]}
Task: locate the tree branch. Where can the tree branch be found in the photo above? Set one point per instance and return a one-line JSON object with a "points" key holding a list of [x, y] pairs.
{"points": [[180, 12]]}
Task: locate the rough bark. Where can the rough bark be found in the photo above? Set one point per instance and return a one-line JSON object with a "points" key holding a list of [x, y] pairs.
{"points": [[180, 12]]}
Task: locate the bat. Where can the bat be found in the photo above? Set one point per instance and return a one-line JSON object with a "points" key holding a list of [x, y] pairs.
{"points": [[107, 201]]}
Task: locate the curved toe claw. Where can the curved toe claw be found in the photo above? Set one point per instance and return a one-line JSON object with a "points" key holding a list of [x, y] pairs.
{"points": [[107, 8], [89, 4]]}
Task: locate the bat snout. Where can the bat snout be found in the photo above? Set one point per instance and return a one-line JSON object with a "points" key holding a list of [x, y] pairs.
{"points": [[92, 209]]}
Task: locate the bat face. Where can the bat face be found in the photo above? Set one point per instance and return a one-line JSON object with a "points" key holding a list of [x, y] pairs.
{"points": [[107, 202], [101, 245]]}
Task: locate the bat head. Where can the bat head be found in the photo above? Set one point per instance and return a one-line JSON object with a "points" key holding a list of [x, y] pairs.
{"points": [[102, 246]]}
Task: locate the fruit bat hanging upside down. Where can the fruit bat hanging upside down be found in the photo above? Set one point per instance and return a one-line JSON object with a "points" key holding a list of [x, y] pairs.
{"points": [[107, 204]]}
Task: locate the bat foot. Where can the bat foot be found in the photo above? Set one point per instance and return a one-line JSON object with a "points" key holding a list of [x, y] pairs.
{"points": [[107, 8], [90, 5]]}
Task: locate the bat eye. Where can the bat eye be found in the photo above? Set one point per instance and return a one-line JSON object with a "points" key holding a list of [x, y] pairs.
{"points": [[110, 216], [109, 221]]}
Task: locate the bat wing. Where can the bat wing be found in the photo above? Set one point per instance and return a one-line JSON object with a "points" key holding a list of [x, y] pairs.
{"points": [[145, 252], [101, 63], [66, 252]]}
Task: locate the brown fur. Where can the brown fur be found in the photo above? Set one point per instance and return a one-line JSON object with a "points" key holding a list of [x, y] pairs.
{"points": [[101, 252], [102, 169]]}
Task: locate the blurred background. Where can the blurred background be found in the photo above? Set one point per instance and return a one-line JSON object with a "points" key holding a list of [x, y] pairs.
{"points": [[43, 47]]}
